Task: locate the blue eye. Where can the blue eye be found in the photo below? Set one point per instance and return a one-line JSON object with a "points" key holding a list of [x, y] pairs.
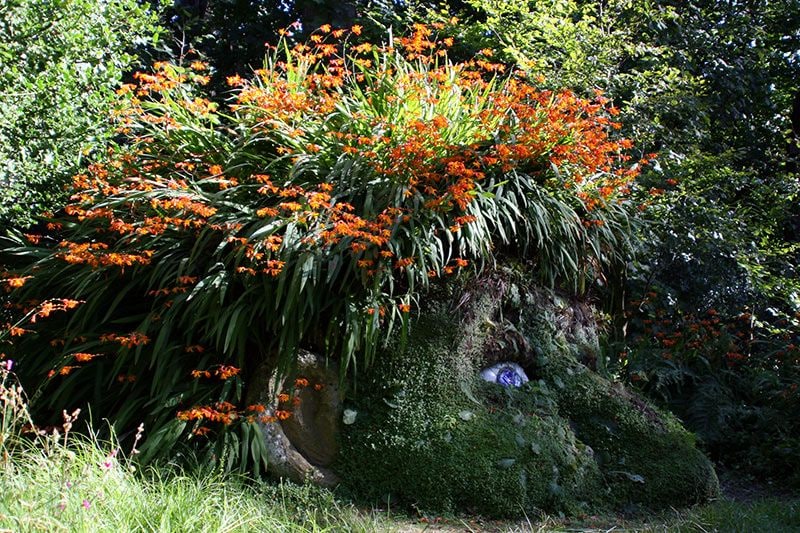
{"points": [[508, 377], [505, 374]]}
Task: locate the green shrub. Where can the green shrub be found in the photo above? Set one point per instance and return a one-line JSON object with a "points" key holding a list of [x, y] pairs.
{"points": [[60, 63], [311, 212]]}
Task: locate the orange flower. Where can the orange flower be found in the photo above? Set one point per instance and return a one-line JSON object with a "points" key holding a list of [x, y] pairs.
{"points": [[282, 415], [16, 283], [234, 80], [16, 331], [134, 339], [301, 383], [404, 262], [226, 372], [225, 406]]}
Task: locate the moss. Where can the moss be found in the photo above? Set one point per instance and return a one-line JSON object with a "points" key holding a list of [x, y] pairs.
{"points": [[431, 434], [645, 454], [440, 445]]}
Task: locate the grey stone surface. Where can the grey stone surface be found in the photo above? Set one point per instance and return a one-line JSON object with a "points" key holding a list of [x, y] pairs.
{"points": [[302, 447]]}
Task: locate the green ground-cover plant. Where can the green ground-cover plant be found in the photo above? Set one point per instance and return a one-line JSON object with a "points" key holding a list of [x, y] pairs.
{"points": [[60, 63], [311, 211]]}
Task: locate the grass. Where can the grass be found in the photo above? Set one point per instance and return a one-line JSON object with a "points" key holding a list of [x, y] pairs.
{"points": [[60, 481], [773, 515], [66, 482], [80, 487], [769, 515]]}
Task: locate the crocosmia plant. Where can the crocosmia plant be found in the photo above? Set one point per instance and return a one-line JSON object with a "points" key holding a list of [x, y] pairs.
{"points": [[311, 209]]}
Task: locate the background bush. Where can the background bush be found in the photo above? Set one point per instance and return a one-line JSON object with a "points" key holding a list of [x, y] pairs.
{"points": [[60, 63]]}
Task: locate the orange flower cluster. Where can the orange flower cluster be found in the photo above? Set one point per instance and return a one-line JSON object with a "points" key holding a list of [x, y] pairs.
{"points": [[16, 331], [63, 371], [727, 342], [332, 171], [222, 372], [47, 307], [417, 155], [14, 282], [226, 413], [128, 341], [37, 310], [221, 412], [88, 253]]}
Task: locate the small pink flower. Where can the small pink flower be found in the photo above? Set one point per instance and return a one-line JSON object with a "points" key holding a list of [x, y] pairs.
{"points": [[86, 504]]}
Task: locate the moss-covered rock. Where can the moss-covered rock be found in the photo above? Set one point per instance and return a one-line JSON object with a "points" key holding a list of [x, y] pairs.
{"points": [[430, 441], [645, 454], [430, 433]]}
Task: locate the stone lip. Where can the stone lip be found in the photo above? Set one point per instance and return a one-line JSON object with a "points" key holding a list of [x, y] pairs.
{"points": [[302, 447]]}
